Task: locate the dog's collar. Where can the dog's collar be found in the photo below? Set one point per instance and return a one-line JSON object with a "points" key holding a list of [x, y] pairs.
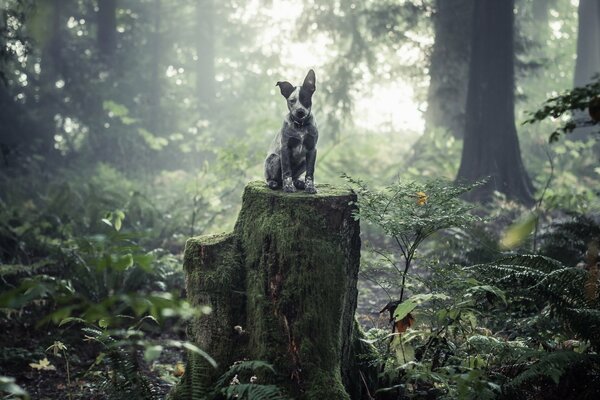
{"points": [[299, 123]]}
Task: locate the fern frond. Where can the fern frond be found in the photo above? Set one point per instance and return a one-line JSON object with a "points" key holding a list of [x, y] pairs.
{"points": [[251, 391], [244, 367], [550, 365]]}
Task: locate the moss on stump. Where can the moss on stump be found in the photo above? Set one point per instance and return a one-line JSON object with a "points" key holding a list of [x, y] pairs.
{"points": [[287, 275]]}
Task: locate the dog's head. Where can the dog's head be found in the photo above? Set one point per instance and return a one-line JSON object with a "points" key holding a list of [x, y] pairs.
{"points": [[299, 98]]}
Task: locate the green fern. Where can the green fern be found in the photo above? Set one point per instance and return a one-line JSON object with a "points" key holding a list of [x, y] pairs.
{"points": [[549, 283], [252, 391], [249, 391], [550, 365]]}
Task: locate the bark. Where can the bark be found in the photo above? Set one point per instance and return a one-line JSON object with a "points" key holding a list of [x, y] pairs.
{"points": [[205, 51], [587, 64], [287, 275], [107, 28], [449, 66], [588, 38], [491, 146]]}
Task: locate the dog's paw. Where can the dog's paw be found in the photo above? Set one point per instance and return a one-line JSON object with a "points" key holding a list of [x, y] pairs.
{"points": [[272, 184], [310, 187], [288, 185], [299, 184]]}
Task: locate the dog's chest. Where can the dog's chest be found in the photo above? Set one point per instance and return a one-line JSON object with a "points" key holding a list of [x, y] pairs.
{"points": [[299, 141]]}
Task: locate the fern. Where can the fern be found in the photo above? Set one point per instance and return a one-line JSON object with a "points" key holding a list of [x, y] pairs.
{"points": [[248, 391], [252, 391], [549, 283], [124, 379], [550, 365]]}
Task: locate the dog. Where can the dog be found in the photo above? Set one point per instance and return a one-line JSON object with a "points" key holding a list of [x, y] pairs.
{"points": [[294, 149]]}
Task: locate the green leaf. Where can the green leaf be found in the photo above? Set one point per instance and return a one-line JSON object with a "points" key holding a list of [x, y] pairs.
{"points": [[103, 323], [118, 224], [403, 309], [71, 319], [123, 262], [519, 231], [118, 110], [8, 385], [193, 348], [489, 289], [152, 352]]}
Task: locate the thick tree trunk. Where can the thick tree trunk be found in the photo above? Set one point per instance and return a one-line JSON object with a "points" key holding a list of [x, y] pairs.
{"points": [[588, 39], [107, 28], [205, 51], [491, 146], [287, 275], [449, 67], [587, 64]]}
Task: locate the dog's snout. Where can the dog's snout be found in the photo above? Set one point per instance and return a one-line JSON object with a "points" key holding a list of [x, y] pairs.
{"points": [[300, 113]]}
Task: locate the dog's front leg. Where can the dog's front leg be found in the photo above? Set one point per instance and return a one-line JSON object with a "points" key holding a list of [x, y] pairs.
{"points": [[311, 156], [286, 166]]}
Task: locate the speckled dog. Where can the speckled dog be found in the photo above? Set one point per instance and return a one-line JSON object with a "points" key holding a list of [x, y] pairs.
{"points": [[294, 149]]}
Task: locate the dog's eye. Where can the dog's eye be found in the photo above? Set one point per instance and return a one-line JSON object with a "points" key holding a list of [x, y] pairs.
{"points": [[292, 101]]}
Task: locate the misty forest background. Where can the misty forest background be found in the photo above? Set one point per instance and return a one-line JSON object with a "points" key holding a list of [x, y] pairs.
{"points": [[128, 126]]}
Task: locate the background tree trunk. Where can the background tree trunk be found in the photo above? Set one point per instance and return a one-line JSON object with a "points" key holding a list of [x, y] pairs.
{"points": [[288, 275], [491, 146], [588, 56], [449, 66], [107, 28], [205, 51], [588, 39]]}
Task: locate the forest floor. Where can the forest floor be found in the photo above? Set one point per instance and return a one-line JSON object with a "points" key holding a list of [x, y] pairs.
{"points": [[24, 343]]}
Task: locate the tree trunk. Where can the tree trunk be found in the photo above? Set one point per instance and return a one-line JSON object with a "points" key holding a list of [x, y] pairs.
{"points": [[449, 67], [156, 118], [491, 146], [287, 275], [588, 38], [107, 29], [205, 51], [587, 64]]}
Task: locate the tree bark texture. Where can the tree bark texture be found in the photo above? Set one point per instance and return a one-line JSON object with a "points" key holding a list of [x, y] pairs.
{"points": [[491, 145], [287, 275], [449, 66]]}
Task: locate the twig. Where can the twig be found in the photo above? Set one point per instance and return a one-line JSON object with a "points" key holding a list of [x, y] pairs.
{"points": [[366, 387], [539, 203]]}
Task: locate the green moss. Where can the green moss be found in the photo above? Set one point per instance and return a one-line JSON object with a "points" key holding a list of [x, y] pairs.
{"points": [[295, 258], [301, 290], [324, 190]]}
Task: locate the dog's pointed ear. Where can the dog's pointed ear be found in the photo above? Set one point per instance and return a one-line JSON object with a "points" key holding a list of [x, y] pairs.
{"points": [[310, 82], [286, 88]]}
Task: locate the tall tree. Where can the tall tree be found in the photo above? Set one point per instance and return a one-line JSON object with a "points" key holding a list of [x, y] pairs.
{"points": [[587, 64], [449, 66], [205, 51], [491, 146], [107, 28], [588, 39]]}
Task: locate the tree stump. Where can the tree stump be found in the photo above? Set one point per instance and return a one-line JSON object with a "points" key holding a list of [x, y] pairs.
{"points": [[287, 275]]}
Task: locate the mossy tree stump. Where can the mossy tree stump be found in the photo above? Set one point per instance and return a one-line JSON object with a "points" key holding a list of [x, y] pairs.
{"points": [[287, 275]]}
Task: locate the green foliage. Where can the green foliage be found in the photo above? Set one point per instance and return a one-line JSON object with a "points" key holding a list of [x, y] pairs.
{"points": [[232, 384], [11, 389], [409, 213], [550, 284], [566, 240], [578, 99]]}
